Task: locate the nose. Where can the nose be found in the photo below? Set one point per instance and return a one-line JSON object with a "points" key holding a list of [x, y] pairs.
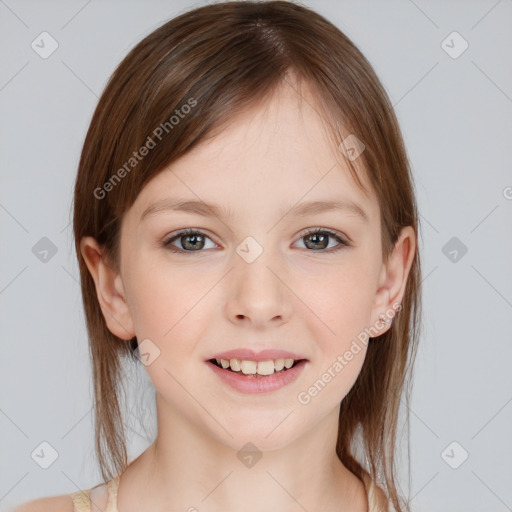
{"points": [[257, 294]]}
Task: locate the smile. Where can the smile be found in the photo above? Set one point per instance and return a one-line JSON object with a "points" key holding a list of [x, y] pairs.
{"points": [[257, 377]]}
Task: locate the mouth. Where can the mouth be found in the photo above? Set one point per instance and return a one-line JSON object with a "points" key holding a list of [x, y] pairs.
{"points": [[255, 377]]}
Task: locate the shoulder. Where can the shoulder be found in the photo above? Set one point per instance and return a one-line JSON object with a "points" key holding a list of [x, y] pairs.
{"points": [[61, 503]]}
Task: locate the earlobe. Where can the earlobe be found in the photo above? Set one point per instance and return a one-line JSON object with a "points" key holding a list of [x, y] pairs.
{"points": [[109, 289]]}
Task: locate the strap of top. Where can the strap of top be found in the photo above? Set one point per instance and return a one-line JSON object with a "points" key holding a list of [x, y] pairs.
{"points": [[82, 499]]}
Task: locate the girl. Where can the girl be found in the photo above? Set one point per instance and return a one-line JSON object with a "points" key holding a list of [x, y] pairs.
{"points": [[246, 229]]}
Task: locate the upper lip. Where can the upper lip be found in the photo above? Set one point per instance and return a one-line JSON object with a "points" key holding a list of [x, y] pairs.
{"points": [[250, 355]]}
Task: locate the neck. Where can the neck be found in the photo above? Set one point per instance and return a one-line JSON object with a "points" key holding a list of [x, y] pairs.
{"points": [[186, 469]]}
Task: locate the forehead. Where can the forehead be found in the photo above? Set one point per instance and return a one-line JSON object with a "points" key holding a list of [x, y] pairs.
{"points": [[276, 152]]}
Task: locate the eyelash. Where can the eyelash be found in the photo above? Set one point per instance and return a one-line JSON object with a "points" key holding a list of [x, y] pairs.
{"points": [[167, 242]]}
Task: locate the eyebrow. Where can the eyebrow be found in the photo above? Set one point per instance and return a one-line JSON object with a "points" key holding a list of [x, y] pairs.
{"points": [[211, 210]]}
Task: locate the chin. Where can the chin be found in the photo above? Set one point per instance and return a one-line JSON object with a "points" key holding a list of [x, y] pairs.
{"points": [[267, 434]]}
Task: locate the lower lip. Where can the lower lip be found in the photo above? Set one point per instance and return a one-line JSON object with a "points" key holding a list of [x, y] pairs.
{"points": [[261, 384]]}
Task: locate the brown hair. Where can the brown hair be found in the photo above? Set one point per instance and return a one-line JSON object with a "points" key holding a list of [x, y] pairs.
{"points": [[203, 67]]}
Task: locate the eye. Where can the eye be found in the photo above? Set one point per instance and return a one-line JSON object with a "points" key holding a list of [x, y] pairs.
{"points": [[317, 239], [190, 240]]}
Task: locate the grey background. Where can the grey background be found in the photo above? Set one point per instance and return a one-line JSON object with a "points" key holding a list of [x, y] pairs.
{"points": [[455, 114]]}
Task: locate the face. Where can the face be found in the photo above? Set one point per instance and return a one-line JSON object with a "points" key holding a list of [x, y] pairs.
{"points": [[255, 275]]}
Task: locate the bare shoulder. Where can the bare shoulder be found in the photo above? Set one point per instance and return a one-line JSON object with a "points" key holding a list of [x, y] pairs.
{"points": [[60, 503]]}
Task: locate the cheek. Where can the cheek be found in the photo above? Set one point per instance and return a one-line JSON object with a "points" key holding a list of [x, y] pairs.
{"points": [[330, 384], [155, 304], [161, 297], [340, 301], [170, 307], [338, 309]]}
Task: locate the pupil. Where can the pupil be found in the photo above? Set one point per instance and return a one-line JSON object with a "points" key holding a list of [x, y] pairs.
{"points": [[315, 237], [194, 243]]}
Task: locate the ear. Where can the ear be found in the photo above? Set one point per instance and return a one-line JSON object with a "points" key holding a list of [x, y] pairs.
{"points": [[393, 280], [109, 289]]}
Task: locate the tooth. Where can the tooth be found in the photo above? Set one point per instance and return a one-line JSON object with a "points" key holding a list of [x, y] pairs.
{"points": [[252, 367], [248, 367], [279, 364], [266, 367]]}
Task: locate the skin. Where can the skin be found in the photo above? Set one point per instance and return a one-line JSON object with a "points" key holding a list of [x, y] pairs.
{"points": [[292, 297]]}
